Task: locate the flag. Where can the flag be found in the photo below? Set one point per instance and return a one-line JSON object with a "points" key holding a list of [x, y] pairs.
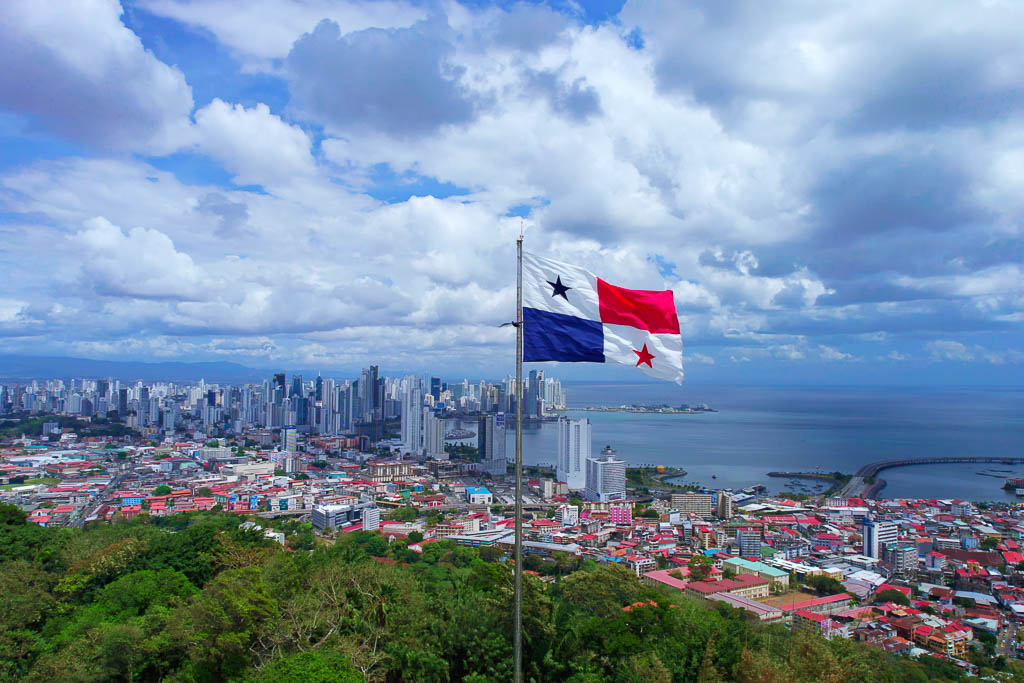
{"points": [[571, 315]]}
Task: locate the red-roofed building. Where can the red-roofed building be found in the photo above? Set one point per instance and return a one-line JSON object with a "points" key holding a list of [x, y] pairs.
{"points": [[828, 605], [744, 585]]}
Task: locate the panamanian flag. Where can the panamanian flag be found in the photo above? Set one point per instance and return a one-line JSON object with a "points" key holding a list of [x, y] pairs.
{"points": [[573, 316]]}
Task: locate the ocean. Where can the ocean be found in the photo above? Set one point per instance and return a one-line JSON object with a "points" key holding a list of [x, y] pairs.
{"points": [[761, 429]]}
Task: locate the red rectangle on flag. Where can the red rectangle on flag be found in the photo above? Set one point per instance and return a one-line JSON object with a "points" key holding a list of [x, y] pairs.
{"points": [[654, 311]]}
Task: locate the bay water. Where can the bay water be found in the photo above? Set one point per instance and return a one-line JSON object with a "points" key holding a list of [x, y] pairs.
{"points": [[803, 429]]}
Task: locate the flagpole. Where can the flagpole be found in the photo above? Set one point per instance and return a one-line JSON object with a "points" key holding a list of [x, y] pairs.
{"points": [[518, 631]]}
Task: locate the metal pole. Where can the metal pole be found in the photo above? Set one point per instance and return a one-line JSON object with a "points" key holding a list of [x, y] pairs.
{"points": [[518, 637]]}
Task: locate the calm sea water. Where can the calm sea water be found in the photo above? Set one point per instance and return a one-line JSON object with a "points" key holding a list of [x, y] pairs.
{"points": [[759, 429]]}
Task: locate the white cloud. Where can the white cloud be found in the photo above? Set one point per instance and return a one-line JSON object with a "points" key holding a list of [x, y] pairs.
{"points": [[255, 145], [261, 31], [944, 349], [76, 68], [141, 263]]}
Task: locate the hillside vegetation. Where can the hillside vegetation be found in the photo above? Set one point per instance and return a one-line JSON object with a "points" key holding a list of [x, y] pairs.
{"points": [[194, 598]]}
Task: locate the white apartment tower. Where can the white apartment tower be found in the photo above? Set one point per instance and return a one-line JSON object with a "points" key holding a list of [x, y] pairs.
{"points": [[412, 414], [573, 451], [876, 534], [433, 435], [606, 477]]}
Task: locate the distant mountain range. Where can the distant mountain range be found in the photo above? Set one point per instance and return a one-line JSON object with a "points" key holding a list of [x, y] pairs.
{"points": [[18, 368], [25, 368]]}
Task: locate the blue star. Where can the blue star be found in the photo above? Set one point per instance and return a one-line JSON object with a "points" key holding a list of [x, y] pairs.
{"points": [[558, 289]]}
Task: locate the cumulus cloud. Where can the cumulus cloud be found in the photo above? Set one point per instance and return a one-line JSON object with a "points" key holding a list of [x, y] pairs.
{"points": [[79, 72], [394, 80], [255, 145], [140, 263], [768, 167], [262, 31]]}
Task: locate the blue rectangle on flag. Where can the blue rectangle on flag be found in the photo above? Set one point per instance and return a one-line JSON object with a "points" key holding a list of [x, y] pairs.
{"points": [[554, 336]]}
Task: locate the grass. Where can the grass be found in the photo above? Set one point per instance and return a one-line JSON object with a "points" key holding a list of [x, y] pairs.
{"points": [[29, 482], [787, 598]]}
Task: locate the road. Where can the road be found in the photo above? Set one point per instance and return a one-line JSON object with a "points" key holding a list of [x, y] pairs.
{"points": [[112, 485], [1006, 641]]}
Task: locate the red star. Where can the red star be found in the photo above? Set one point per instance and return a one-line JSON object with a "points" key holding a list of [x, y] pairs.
{"points": [[644, 357]]}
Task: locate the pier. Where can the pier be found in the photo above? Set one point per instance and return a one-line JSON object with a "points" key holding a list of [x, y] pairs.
{"points": [[859, 487]]}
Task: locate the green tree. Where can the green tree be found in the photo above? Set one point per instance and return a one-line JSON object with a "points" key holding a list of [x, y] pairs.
{"points": [[161, 490], [700, 567], [318, 666], [892, 595], [224, 623]]}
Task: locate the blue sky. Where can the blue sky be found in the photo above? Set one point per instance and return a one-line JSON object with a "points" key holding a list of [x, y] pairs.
{"points": [[834, 193]]}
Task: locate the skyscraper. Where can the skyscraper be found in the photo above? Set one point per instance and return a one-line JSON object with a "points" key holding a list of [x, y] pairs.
{"points": [[573, 451], [530, 404], [412, 414], [369, 394], [490, 439], [280, 391], [876, 534], [435, 388], [433, 435], [606, 477]]}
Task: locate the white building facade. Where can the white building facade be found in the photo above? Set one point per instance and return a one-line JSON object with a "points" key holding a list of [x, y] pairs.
{"points": [[573, 451]]}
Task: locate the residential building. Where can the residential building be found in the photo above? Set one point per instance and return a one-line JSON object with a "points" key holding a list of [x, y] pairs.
{"points": [[433, 435], [724, 506], [290, 439], [903, 556], [412, 414], [749, 541], [568, 515], [573, 451], [875, 534], [620, 515], [490, 439], [606, 477], [699, 504], [388, 470]]}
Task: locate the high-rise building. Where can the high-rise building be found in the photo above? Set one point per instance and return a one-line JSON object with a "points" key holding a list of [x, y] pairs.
{"points": [[573, 451], [903, 556], [490, 439], [699, 504], [433, 435], [621, 515], [724, 510], [279, 388], [412, 415], [290, 439], [568, 515], [435, 388], [749, 541], [534, 404], [370, 394], [876, 534], [606, 477]]}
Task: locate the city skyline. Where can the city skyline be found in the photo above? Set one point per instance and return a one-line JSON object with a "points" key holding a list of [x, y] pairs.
{"points": [[208, 181]]}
